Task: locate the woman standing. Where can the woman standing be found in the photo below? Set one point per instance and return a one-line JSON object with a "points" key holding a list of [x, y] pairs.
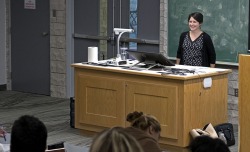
{"points": [[195, 46]]}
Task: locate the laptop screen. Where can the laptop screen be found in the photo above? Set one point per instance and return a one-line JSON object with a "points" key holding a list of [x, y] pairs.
{"points": [[150, 58]]}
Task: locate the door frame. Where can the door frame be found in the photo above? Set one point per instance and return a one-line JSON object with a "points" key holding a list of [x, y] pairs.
{"points": [[69, 48]]}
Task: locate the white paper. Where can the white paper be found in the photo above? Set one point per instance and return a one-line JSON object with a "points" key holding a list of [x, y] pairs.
{"points": [[4, 147], [207, 82], [29, 4], [93, 54], [7, 137], [72, 148], [5, 143]]}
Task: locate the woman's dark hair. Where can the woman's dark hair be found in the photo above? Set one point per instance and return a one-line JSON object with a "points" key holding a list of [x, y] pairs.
{"points": [[197, 16], [208, 144], [143, 122]]}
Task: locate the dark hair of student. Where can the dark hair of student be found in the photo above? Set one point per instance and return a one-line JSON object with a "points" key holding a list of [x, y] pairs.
{"points": [[115, 140], [143, 122], [28, 134], [197, 16], [208, 144]]}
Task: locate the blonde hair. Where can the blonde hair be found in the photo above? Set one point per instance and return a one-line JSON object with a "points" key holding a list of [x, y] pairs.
{"points": [[143, 122], [115, 140]]}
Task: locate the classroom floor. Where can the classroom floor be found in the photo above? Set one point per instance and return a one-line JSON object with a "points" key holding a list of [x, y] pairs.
{"points": [[55, 113]]}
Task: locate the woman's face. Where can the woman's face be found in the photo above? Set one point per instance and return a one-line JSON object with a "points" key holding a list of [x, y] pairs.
{"points": [[193, 24]]}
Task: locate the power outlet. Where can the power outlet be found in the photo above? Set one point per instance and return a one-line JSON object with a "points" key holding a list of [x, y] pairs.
{"points": [[236, 92]]}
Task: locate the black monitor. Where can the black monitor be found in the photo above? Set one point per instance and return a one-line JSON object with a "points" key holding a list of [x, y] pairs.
{"points": [[150, 58]]}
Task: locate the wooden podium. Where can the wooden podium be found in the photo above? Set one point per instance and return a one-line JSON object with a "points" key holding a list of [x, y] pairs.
{"points": [[244, 103], [105, 95]]}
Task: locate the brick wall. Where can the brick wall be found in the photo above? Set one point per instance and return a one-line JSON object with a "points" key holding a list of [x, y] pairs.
{"points": [[58, 48], [233, 115]]}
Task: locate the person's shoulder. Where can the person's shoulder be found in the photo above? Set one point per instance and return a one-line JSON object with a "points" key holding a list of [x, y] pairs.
{"points": [[184, 33], [206, 35], [128, 128], [140, 135], [134, 131], [150, 145]]}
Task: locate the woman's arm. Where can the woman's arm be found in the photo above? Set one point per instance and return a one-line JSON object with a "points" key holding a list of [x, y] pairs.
{"points": [[179, 51], [2, 132], [210, 51]]}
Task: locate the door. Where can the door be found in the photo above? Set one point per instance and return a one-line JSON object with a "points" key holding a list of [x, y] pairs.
{"points": [[30, 56]]}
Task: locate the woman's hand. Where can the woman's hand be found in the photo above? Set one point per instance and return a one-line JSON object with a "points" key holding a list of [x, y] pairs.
{"points": [[212, 65], [2, 132], [178, 61]]}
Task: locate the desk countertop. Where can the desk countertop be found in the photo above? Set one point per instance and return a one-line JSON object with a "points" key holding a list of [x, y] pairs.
{"points": [[181, 72]]}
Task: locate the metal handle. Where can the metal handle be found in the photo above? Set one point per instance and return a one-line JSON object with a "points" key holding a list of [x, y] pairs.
{"points": [[45, 33]]}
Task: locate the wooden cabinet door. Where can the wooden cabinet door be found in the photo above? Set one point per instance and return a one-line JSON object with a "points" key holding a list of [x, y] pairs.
{"points": [[99, 101], [158, 100]]}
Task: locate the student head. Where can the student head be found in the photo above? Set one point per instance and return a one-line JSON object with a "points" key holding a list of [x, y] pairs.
{"points": [[115, 140], [197, 16], [147, 123], [28, 134], [208, 144]]}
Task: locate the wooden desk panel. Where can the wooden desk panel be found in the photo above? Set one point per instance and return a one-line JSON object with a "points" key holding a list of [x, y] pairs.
{"points": [[244, 103], [158, 100], [103, 98], [204, 105], [101, 101]]}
